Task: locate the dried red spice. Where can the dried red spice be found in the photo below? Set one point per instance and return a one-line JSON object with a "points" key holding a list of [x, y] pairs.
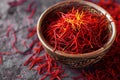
{"points": [[14, 41], [108, 68], [31, 32], [32, 7], [29, 8], [31, 46], [9, 28], [32, 12], [77, 31], [5, 53], [16, 3], [1, 59], [45, 65]]}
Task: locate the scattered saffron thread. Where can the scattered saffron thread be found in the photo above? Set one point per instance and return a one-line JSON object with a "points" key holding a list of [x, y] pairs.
{"points": [[16, 3]]}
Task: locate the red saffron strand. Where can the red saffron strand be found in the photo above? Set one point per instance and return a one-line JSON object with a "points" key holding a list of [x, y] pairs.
{"points": [[32, 12], [16, 3], [29, 8], [31, 32], [14, 42], [5, 53], [1, 59], [9, 28]]}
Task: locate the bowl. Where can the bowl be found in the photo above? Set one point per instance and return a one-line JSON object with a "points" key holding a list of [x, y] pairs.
{"points": [[76, 60]]}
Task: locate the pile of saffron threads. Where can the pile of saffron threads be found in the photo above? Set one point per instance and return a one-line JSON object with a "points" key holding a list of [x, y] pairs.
{"points": [[77, 31], [106, 69]]}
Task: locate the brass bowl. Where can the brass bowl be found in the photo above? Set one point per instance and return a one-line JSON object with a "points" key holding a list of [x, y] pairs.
{"points": [[76, 60]]}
